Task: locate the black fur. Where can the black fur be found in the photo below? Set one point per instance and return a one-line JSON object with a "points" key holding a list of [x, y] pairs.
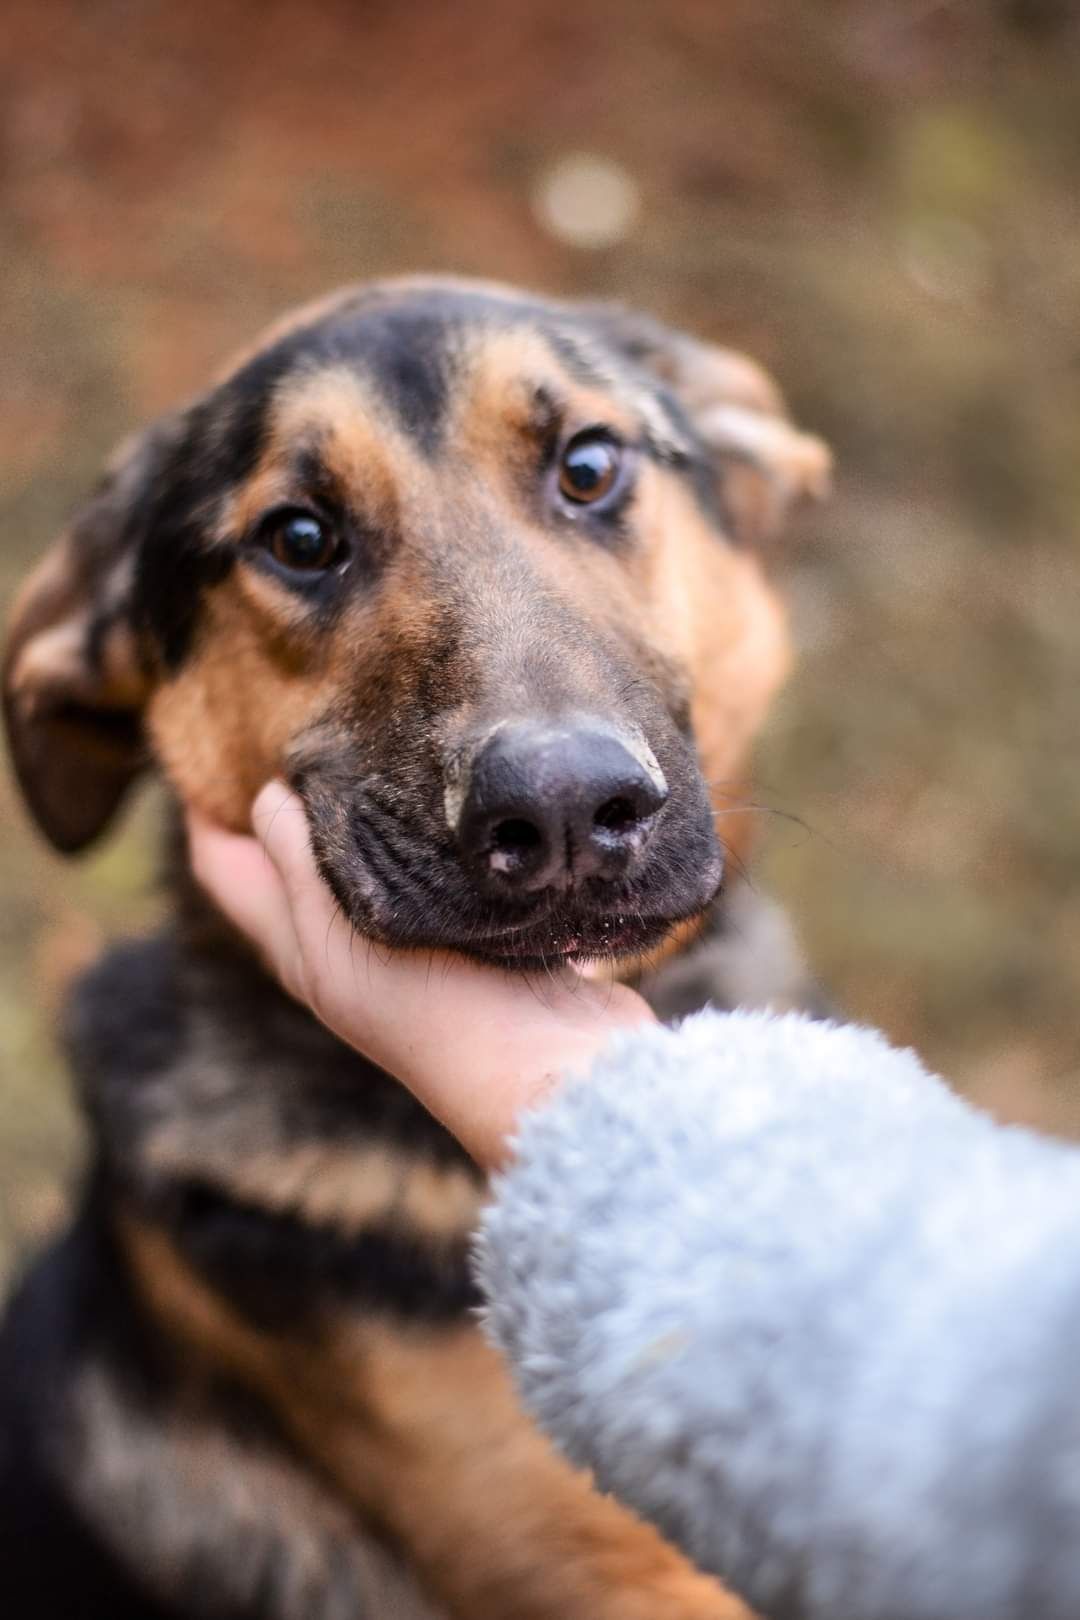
{"points": [[74, 1304], [142, 1027], [412, 355], [192, 1066], [280, 1271], [154, 1015]]}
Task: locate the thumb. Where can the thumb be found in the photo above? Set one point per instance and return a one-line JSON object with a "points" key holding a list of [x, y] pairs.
{"points": [[248, 888], [320, 967], [280, 825]]}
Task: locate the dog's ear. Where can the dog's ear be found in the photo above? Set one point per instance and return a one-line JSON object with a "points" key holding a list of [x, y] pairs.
{"points": [[74, 679], [765, 464]]}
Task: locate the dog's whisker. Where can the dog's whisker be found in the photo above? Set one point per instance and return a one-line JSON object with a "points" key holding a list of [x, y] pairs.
{"points": [[736, 862], [336, 911], [750, 807]]}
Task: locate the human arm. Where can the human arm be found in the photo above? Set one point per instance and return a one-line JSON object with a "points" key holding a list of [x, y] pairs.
{"points": [[783, 1291]]}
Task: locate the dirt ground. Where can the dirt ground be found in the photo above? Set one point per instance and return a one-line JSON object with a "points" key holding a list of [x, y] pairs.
{"points": [[881, 199]]}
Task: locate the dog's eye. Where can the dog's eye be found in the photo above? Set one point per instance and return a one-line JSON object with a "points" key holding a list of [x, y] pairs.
{"points": [[589, 468], [299, 541]]}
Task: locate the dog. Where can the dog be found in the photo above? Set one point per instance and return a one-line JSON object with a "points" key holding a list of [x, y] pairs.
{"points": [[483, 576]]}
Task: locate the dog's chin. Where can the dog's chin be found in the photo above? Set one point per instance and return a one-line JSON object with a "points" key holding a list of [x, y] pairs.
{"points": [[609, 939], [571, 929], [542, 945]]}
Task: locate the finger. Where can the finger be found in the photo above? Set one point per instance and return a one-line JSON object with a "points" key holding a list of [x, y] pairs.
{"points": [[235, 872], [281, 826], [325, 938]]}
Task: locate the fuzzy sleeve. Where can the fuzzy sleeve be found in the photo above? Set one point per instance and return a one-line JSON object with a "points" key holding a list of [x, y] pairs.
{"points": [[816, 1317]]}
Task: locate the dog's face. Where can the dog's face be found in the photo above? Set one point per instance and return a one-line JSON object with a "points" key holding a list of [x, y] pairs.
{"points": [[476, 572]]}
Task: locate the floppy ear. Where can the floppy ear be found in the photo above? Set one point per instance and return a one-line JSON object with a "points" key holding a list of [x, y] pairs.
{"points": [[765, 464], [73, 678]]}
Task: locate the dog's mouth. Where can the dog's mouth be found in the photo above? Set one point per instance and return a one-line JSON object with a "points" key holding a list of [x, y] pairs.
{"points": [[574, 927], [404, 883], [601, 938]]}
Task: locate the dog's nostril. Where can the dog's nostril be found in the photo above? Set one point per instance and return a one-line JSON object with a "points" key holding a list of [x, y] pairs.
{"points": [[616, 815], [515, 836]]}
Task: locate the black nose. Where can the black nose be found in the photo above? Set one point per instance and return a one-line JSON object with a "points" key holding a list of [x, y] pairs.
{"points": [[547, 806]]}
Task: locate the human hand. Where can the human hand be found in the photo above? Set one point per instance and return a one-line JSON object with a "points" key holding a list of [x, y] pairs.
{"points": [[476, 1045]]}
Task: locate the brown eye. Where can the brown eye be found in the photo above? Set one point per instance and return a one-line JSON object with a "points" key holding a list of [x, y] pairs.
{"points": [[589, 469], [299, 541]]}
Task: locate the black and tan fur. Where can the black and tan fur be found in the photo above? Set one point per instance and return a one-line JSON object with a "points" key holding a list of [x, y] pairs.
{"points": [[247, 1383]]}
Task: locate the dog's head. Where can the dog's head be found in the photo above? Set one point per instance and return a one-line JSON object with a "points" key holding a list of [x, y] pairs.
{"points": [[478, 572]]}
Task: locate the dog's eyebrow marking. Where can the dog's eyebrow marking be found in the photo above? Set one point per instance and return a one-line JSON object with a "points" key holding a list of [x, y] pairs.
{"points": [[546, 412], [332, 442], [584, 360], [315, 477], [638, 412]]}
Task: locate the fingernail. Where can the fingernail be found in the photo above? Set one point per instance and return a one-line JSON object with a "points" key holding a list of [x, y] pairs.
{"points": [[270, 799]]}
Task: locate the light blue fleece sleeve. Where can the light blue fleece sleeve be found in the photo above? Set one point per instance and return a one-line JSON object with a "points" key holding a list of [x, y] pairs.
{"points": [[811, 1313]]}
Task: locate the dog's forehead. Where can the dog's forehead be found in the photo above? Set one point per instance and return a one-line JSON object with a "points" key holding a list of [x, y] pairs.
{"points": [[429, 366]]}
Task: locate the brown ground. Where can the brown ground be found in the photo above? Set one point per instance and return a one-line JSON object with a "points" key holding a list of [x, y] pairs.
{"points": [[881, 199]]}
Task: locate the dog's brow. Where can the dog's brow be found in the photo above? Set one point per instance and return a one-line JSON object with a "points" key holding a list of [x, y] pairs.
{"points": [[313, 474], [546, 411]]}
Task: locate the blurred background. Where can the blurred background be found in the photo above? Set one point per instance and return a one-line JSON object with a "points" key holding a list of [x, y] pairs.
{"points": [[879, 198]]}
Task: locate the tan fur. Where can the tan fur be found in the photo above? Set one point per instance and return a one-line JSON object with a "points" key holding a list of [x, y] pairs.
{"points": [[349, 1188], [422, 1431], [216, 754], [419, 1431], [505, 370], [47, 652], [373, 460], [707, 608], [256, 635]]}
